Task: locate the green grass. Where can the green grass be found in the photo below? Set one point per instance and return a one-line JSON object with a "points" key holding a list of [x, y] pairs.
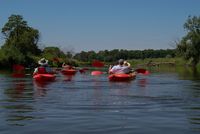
{"points": [[177, 61]]}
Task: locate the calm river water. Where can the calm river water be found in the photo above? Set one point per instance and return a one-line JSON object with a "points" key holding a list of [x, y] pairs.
{"points": [[162, 102]]}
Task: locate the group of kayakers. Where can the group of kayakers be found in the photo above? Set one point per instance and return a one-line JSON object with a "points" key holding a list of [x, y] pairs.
{"points": [[123, 67]]}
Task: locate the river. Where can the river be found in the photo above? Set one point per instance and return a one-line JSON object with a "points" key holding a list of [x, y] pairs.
{"points": [[166, 101]]}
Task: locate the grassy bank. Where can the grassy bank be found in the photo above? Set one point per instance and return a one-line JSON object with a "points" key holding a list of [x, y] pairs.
{"points": [[158, 62], [144, 62]]}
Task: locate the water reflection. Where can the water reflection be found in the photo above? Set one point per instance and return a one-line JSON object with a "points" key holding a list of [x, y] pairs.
{"points": [[41, 84], [18, 75], [121, 88], [194, 105], [41, 88], [142, 82], [188, 73], [16, 90], [191, 88], [98, 84], [108, 96], [68, 77], [97, 92], [17, 104]]}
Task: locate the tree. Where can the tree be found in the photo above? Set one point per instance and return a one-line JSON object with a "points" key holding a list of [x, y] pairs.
{"points": [[55, 55], [21, 37], [53, 52], [189, 46], [11, 55]]}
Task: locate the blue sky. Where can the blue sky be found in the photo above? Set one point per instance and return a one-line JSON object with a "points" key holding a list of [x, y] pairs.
{"points": [[104, 24]]}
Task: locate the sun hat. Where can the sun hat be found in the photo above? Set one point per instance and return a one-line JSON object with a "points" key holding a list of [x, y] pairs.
{"points": [[43, 62], [126, 63]]}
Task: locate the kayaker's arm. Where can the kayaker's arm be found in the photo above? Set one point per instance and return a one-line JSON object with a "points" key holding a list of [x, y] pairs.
{"points": [[110, 70]]}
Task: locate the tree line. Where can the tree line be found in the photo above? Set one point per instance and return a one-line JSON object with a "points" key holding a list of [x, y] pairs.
{"points": [[21, 47], [116, 54]]}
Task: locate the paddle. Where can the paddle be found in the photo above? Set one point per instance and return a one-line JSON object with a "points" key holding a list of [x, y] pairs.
{"points": [[142, 71], [97, 63]]}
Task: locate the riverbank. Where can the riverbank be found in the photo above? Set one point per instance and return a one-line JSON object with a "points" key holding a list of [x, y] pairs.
{"points": [[156, 62]]}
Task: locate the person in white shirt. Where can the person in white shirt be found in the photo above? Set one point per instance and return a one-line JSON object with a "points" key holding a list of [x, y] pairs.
{"points": [[120, 68]]}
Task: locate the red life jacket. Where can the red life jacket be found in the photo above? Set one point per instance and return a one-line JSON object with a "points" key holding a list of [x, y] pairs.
{"points": [[42, 70]]}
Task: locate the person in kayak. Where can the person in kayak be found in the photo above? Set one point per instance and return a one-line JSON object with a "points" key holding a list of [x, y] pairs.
{"points": [[127, 70], [120, 68], [43, 68], [67, 67]]}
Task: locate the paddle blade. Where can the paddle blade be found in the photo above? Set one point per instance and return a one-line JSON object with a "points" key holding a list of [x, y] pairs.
{"points": [[142, 71], [96, 73], [97, 63]]}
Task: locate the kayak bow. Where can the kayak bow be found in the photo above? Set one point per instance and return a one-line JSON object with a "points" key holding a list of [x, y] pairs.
{"points": [[44, 77], [69, 71]]}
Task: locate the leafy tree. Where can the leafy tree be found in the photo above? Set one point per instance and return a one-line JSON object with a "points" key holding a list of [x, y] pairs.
{"points": [[82, 56], [54, 52], [55, 55], [189, 46], [10, 55], [20, 37]]}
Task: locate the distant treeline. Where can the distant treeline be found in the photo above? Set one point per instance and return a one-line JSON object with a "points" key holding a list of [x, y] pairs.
{"points": [[114, 55]]}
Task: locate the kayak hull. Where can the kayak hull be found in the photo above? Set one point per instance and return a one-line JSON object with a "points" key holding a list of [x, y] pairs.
{"points": [[121, 77], [69, 71], [44, 77]]}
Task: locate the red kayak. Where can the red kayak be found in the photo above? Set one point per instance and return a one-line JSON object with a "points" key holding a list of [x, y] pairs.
{"points": [[121, 77], [96, 73], [44, 77], [69, 71]]}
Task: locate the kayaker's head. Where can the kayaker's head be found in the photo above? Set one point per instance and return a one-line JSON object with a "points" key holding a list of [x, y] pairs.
{"points": [[43, 62], [121, 62]]}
